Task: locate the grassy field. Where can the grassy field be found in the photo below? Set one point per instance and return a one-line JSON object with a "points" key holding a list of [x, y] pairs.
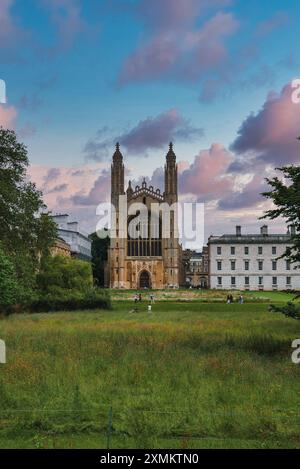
{"points": [[193, 374]]}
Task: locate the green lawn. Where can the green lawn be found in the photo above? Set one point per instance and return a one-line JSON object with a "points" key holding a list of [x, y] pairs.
{"points": [[189, 375], [203, 296]]}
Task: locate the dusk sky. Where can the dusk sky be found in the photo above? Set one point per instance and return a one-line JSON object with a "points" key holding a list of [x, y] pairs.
{"points": [[213, 76]]}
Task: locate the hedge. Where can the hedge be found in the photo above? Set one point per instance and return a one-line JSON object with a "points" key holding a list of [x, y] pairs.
{"points": [[70, 301]]}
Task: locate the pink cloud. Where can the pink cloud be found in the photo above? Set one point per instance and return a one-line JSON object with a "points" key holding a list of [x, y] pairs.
{"points": [[67, 17], [151, 60], [11, 33], [99, 193], [270, 136], [64, 187], [278, 20], [206, 177], [174, 45], [249, 196], [156, 132], [7, 116], [174, 14], [169, 14], [209, 44], [8, 30]]}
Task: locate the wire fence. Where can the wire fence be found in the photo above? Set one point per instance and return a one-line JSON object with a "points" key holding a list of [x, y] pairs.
{"points": [[109, 419]]}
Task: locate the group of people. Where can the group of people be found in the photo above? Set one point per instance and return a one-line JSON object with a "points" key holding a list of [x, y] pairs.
{"points": [[138, 298], [230, 299]]}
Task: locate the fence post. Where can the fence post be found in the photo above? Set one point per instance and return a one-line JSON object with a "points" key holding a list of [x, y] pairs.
{"points": [[110, 427]]}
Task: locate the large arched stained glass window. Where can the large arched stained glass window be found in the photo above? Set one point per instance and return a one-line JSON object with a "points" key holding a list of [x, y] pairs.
{"points": [[149, 243]]}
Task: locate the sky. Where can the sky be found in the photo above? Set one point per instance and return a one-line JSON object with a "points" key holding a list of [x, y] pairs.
{"points": [[213, 76]]}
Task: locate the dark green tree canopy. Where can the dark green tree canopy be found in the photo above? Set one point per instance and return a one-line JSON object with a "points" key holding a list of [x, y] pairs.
{"points": [[100, 247], [8, 283], [285, 195], [60, 273], [26, 235]]}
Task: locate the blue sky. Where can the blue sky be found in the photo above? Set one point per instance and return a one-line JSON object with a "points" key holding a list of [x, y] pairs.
{"points": [[82, 74]]}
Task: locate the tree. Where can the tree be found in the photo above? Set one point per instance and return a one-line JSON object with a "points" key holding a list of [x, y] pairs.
{"points": [[25, 235], [100, 248], [60, 273], [8, 283], [285, 195]]}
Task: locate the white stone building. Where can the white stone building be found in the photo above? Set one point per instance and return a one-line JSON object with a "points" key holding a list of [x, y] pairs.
{"points": [[80, 243], [251, 262]]}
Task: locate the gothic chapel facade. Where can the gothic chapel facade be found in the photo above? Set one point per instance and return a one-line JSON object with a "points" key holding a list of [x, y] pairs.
{"points": [[144, 263]]}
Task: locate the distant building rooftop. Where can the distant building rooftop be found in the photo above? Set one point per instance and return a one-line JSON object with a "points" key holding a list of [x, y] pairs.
{"points": [[261, 238], [71, 233], [251, 238]]}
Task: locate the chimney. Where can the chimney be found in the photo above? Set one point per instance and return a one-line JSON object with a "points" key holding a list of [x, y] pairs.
{"points": [[238, 230], [264, 230]]}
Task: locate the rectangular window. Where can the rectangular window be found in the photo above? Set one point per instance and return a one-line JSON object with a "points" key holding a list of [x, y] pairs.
{"points": [[219, 265], [220, 281], [260, 250], [260, 265], [233, 281], [274, 250], [219, 250], [232, 265], [246, 250], [260, 281], [288, 265], [247, 265], [274, 265], [247, 281], [232, 250], [274, 281], [289, 281]]}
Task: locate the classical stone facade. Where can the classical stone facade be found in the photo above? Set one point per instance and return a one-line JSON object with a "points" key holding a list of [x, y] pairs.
{"points": [[151, 261], [252, 262], [61, 248]]}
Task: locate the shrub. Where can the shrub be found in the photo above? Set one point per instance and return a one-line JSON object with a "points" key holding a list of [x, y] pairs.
{"points": [[60, 273], [70, 301]]}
